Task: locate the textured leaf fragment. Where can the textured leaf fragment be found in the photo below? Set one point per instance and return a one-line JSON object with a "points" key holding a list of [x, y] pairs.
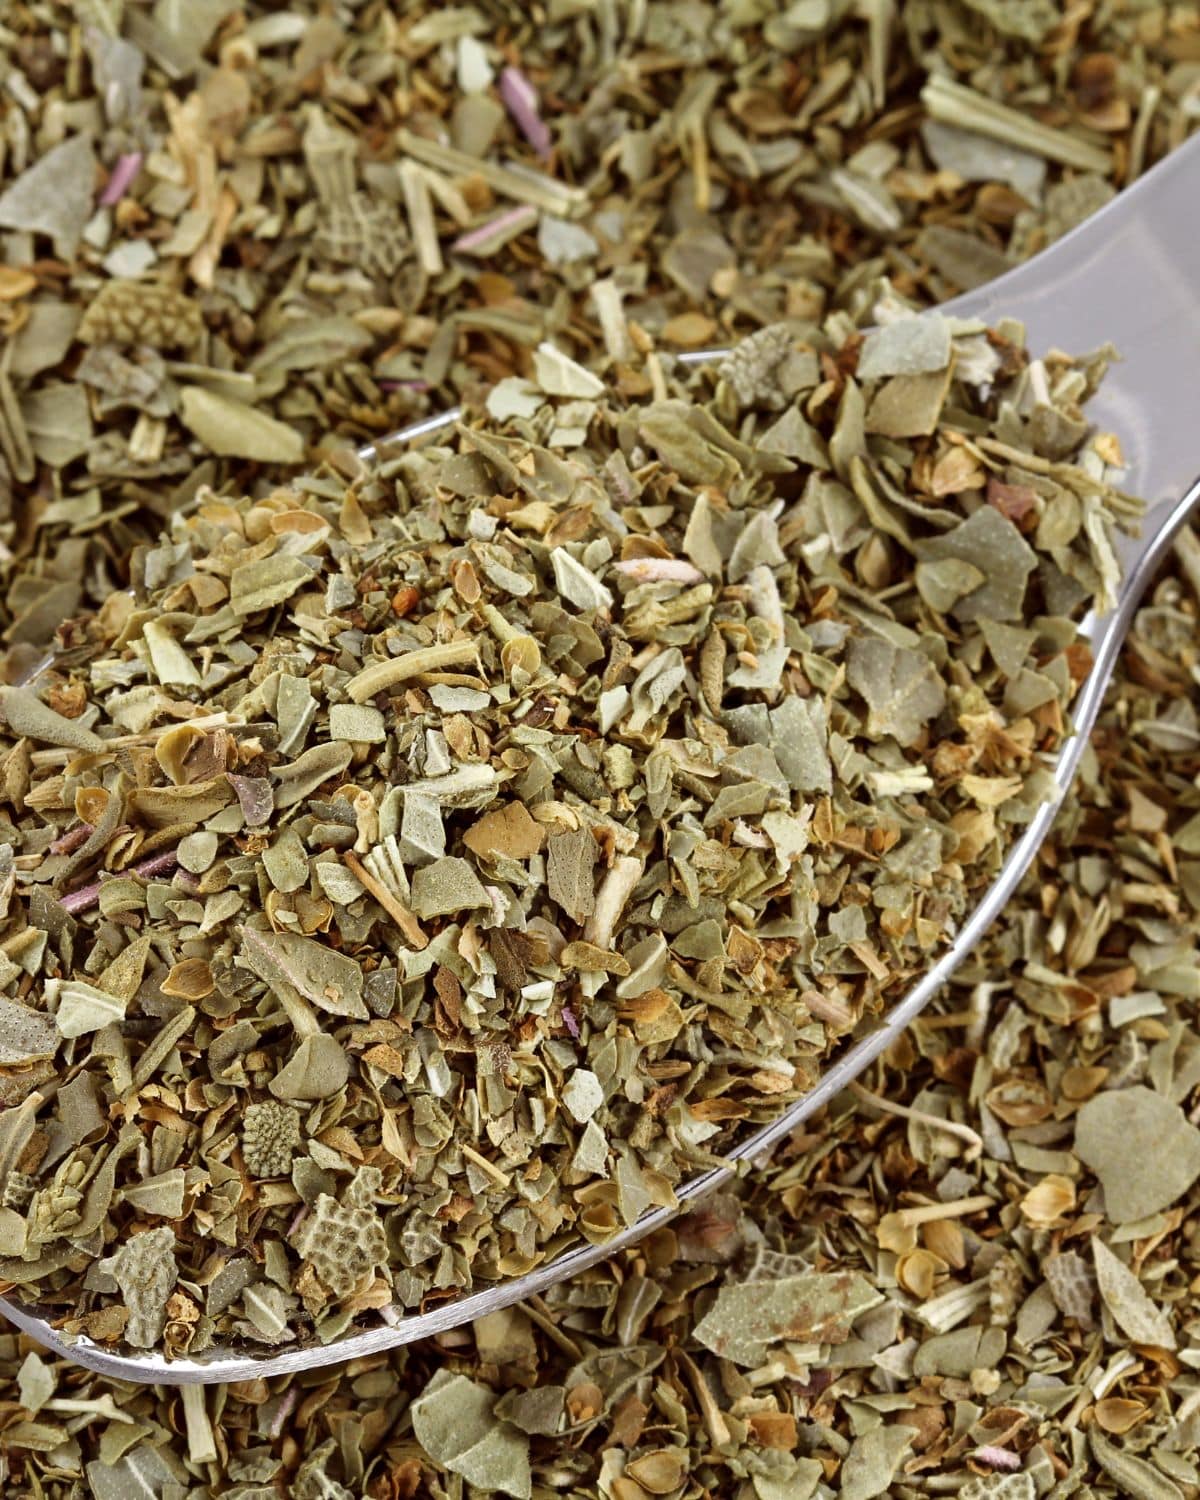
{"points": [[138, 312], [993, 545], [25, 1035], [83, 1008], [332, 981], [908, 346], [817, 1307], [454, 1421], [235, 430], [1141, 1147], [570, 872], [1133, 1310], [751, 367], [1071, 1285], [144, 1268], [270, 1133], [902, 688], [344, 1243], [263, 584], [54, 196], [27, 715], [1132, 1476], [445, 887]]}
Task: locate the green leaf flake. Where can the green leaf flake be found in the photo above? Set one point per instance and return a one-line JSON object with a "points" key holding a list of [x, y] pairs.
{"points": [[908, 405], [1142, 1148], [910, 345], [332, 981], [317, 1070], [1133, 1310], [82, 1007], [263, 584], [902, 688], [817, 1307], [994, 547], [454, 1421], [447, 885], [54, 196], [870, 1466], [235, 430], [35, 1382], [570, 872], [27, 715]]}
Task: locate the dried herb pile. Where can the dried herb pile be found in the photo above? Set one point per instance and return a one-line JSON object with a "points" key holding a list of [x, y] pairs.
{"points": [[988, 1298], [235, 236], [416, 875], [236, 240]]}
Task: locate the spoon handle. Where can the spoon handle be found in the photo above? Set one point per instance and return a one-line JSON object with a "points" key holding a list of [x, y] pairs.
{"points": [[1129, 275]]}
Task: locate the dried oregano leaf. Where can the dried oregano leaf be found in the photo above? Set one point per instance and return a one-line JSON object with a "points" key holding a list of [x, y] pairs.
{"points": [[1133, 1310], [815, 1307], [54, 195], [902, 688], [231, 428], [145, 1270], [1142, 1147], [454, 1421]]}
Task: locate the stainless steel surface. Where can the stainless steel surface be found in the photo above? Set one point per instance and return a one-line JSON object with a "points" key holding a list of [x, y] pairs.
{"points": [[1130, 276]]}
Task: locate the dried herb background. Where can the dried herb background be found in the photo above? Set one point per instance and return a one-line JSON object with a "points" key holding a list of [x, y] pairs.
{"points": [[434, 871], [1080, 1013], [234, 236]]}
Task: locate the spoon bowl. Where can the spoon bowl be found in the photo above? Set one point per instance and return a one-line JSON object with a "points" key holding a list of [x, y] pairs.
{"points": [[1132, 271]]}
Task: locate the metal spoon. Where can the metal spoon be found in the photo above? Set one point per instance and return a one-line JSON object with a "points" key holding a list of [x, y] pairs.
{"points": [[1130, 275]]}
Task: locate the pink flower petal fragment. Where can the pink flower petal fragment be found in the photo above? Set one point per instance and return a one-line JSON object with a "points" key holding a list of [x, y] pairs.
{"points": [[126, 169], [521, 101]]}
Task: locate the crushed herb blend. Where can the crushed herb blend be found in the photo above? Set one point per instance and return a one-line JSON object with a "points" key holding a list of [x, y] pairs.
{"points": [[426, 868]]}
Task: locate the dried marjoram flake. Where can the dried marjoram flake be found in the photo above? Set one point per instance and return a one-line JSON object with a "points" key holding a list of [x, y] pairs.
{"points": [[491, 872], [145, 1270], [343, 1244], [138, 312], [270, 1134]]}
